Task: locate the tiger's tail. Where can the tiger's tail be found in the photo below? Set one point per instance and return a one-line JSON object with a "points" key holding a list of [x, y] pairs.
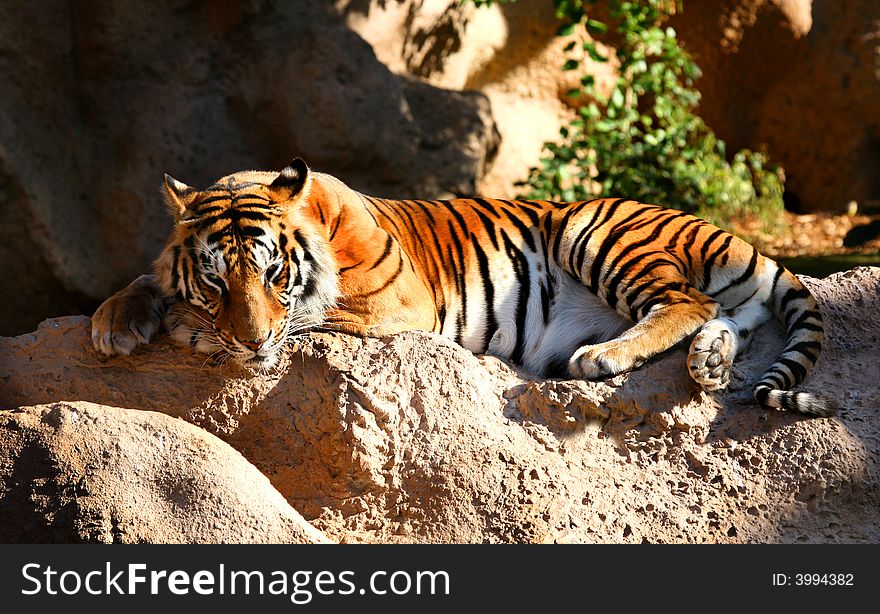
{"points": [[797, 310]]}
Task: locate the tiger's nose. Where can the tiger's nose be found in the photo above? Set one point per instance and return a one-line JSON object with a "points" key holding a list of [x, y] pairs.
{"points": [[255, 344]]}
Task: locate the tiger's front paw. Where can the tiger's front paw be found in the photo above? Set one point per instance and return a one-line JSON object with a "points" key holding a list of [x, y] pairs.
{"points": [[601, 361], [128, 318]]}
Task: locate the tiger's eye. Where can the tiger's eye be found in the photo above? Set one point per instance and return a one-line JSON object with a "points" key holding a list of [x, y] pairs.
{"points": [[272, 271], [215, 280]]}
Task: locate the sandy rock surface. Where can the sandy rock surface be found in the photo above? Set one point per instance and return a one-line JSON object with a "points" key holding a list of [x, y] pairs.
{"points": [[412, 438]]}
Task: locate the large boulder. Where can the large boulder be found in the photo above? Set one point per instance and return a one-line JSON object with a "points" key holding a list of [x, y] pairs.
{"points": [[76, 471], [799, 77], [411, 438]]}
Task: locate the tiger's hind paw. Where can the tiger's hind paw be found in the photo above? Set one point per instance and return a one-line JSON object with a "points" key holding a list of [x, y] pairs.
{"points": [[711, 355]]}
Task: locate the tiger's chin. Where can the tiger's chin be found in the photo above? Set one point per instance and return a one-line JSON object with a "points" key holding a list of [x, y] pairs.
{"points": [[259, 363]]}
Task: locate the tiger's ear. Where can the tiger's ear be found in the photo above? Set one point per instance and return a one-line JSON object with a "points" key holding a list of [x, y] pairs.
{"points": [[292, 181], [178, 197]]}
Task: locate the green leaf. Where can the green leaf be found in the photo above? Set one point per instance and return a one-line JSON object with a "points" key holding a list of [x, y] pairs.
{"points": [[593, 52], [596, 27], [566, 29], [570, 65]]}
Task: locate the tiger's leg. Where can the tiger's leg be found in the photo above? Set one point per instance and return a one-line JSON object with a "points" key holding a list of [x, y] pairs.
{"points": [[678, 310], [129, 318], [719, 341]]}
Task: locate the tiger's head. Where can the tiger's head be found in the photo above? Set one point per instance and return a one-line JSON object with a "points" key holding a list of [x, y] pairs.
{"points": [[249, 267]]}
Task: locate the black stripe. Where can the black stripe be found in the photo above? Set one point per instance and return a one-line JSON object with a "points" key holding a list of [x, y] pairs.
{"points": [[243, 214], [385, 253], [762, 395], [708, 264], [400, 207], [311, 284], [792, 295], [789, 401], [388, 282], [460, 281], [797, 369], [187, 294], [776, 277], [489, 226], [817, 328], [381, 206], [300, 238], [425, 209], [560, 230], [775, 379], [213, 199], [524, 230], [635, 292], [489, 207], [204, 212], [534, 216], [688, 243], [238, 197], [747, 274], [521, 270], [578, 250], [251, 231], [800, 321], [600, 254], [806, 348], [215, 236], [175, 263], [705, 247], [745, 300], [458, 217], [545, 304], [432, 261], [657, 296], [489, 295], [783, 374], [339, 222]]}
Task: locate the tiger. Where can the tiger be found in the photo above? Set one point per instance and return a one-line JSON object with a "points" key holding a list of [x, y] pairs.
{"points": [[589, 289]]}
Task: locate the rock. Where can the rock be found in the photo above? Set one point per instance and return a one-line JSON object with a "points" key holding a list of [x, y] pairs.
{"points": [[80, 472], [413, 439], [799, 77], [99, 102], [507, 51]]}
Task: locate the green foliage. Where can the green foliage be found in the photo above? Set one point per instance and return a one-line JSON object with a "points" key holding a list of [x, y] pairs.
{"points": [[643, 140]]}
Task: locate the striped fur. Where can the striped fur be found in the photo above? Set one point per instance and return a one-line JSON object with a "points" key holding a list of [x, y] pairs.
{"points": [[588, 289]]}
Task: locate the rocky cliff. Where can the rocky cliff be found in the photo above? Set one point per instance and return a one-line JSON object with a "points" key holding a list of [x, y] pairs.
{"points": [[413, 439]]}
